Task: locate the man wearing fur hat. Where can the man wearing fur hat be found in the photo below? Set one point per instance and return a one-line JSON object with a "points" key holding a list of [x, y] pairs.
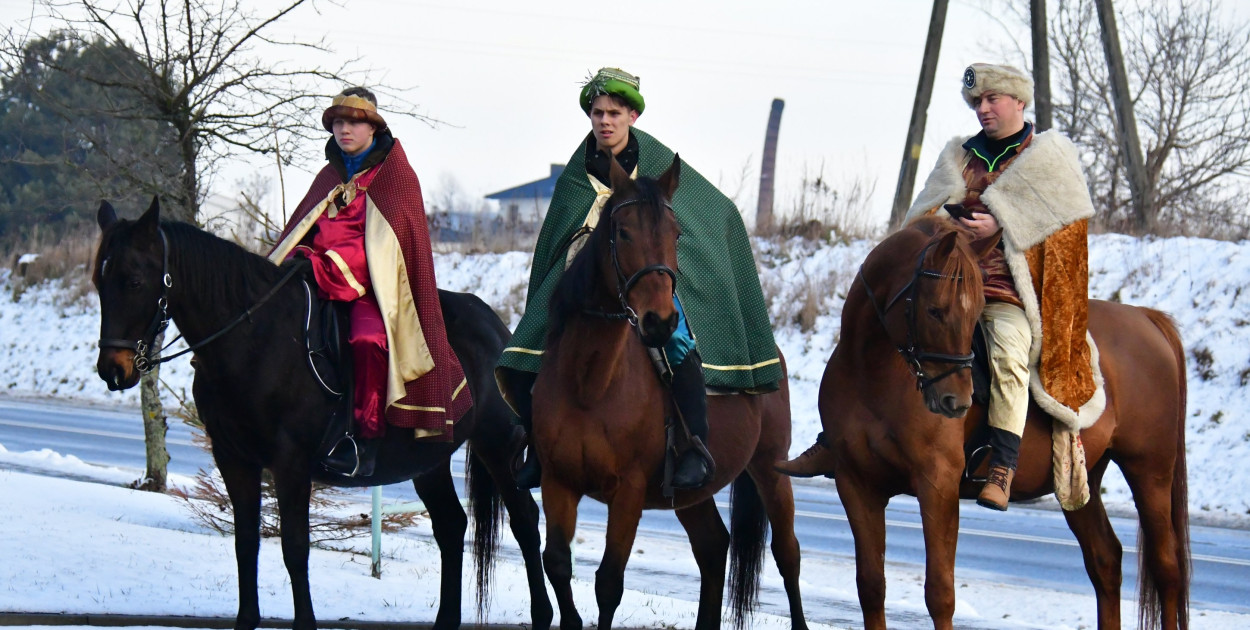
{"points": [[362, 227], [719, 296], [1030, 186]]}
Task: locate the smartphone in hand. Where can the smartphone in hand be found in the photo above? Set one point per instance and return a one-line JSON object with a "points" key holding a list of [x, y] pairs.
{"points": [[958, 211]]}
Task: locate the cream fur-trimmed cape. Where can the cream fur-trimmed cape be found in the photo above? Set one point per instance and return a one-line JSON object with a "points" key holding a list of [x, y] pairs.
{"points": [[1039, 195]]}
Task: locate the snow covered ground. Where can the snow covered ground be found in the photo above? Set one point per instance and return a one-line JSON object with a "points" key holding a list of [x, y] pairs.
{"points": [[47, 346], [79, 546]]}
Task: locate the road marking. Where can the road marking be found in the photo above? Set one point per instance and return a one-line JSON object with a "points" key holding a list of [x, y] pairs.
{"points": [[95, 432], [1009, 536]]}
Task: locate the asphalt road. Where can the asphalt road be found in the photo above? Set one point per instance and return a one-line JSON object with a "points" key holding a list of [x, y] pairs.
{"points": [[1025, 547]]}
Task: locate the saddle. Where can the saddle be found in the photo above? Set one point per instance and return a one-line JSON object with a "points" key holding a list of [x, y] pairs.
{"points": [[329, 359], [977, 446]]}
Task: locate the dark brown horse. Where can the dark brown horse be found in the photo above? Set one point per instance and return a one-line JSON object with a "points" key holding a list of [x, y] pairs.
{"points": [[888, 438], [599, 412], [263, 408]]}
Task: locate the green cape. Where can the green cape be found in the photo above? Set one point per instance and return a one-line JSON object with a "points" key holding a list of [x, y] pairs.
{"points": [[717, 280]]}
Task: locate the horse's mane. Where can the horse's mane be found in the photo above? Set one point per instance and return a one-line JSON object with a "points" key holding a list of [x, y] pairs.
{"points": [[961, 264], [216, 268], [577, 287]]}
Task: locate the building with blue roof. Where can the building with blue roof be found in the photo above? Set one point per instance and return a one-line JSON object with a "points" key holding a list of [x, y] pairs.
{"points": [[527, 203]]}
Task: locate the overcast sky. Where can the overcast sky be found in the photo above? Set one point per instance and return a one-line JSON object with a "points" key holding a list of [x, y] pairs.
{"points": [[506, 75]]}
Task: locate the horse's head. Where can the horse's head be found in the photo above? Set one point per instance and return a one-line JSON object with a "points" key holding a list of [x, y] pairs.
{"points": [[930, 304], [641, 263], [130, 275]]}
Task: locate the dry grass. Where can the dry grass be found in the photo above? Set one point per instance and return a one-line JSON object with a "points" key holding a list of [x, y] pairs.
{"points": [[65, 256], [830, 212], [327, 519]]}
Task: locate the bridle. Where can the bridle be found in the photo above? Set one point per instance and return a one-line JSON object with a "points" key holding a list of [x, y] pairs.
{"points": [[625, 285], [912, 355], [143, 360]]}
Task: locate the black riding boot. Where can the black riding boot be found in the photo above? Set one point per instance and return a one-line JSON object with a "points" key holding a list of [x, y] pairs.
{"points": [[695, 466], [530, 474]]}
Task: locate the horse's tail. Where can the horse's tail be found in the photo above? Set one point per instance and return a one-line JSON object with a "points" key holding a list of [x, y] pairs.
{"points": [[1149, 605], [486, 510], [748, 532]]}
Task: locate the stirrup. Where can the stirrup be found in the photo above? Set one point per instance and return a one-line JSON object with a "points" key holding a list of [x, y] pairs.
{"points": [[337, 462]]}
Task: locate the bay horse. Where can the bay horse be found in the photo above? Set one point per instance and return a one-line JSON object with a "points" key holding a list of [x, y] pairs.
{"points": [[599, 421], [263, 408], [890, 435]]}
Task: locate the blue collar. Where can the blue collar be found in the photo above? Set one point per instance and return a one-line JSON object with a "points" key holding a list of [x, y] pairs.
{"points": [[352, 162]]}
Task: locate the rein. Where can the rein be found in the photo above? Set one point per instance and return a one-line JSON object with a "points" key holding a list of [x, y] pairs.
{"points": [[913, 355], [160, 321], [625, 285]]}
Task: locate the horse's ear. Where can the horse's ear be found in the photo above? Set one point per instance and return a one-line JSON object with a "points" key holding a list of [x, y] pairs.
{"points": [[152, 218], [106, 215], [982, 247], [946, 246], [616, 174], [669, 180]]}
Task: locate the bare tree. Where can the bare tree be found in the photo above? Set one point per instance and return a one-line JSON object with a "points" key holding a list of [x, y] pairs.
{"points": [[1189, 76], [209, 70]]}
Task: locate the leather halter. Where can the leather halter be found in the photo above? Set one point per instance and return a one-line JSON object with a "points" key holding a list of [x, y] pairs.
{"points": [[143, 360], [625, 285], [912, 355]]}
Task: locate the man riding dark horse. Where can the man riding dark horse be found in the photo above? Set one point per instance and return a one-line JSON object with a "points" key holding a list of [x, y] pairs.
{"points": [[1030, 186], [718, 297], [362, 226]]}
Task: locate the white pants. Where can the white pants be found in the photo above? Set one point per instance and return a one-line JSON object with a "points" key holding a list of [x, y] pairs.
{"points": [[1008, 336]]}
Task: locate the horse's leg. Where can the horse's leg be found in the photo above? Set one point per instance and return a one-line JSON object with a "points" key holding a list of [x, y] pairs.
{"points": [[560, 507], [243, 486], [778, 497], [624, 512], [523, 519], [293, 485], [449, 522], [938, 493], [1101, 549], [1162, 577], [710, 542], [865, 511]]}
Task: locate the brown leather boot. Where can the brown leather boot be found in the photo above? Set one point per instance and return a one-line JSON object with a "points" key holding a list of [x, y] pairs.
{"points": [[816, 460], [997, 490]]}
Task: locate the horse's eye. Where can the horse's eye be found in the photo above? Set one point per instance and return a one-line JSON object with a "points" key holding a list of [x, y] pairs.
{"points": [[623, 234], [935, 313], [134, 283]]}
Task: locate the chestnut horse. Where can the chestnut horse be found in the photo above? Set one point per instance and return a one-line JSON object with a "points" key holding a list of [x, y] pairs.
{"points": [[599, 411], [263, 408], [920, 291]]}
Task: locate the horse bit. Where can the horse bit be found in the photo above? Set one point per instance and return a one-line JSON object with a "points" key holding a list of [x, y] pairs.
{"points": [[623, 284], [143, 360], [912, 355]]}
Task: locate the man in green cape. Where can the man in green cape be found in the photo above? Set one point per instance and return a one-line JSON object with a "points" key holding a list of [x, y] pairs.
{"points": [[718, 287]]}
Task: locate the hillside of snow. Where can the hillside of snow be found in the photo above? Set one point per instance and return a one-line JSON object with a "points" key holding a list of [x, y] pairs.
{"points": [[47, 340]]}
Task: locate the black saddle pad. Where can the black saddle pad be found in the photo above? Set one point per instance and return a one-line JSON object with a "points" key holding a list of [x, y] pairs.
{"points": [[976, 447]]}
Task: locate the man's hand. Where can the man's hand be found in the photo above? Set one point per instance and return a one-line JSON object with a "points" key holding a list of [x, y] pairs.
{"points": [[982, 224]]}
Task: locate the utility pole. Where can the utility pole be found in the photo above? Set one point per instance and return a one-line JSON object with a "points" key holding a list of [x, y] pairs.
{"points": [[1041, 67], [764, 206], [919, 114], [1126, 122]]}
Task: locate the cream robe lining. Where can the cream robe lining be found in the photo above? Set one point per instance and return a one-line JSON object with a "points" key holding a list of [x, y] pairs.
{"points": [[409, 356]]}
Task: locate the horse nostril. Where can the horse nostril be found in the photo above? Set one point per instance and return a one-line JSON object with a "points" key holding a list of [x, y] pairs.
{"points": [[949, 403]]}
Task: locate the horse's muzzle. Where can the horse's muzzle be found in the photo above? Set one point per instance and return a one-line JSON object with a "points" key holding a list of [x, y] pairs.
{"points": [[655, 330], [117, 369]]}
